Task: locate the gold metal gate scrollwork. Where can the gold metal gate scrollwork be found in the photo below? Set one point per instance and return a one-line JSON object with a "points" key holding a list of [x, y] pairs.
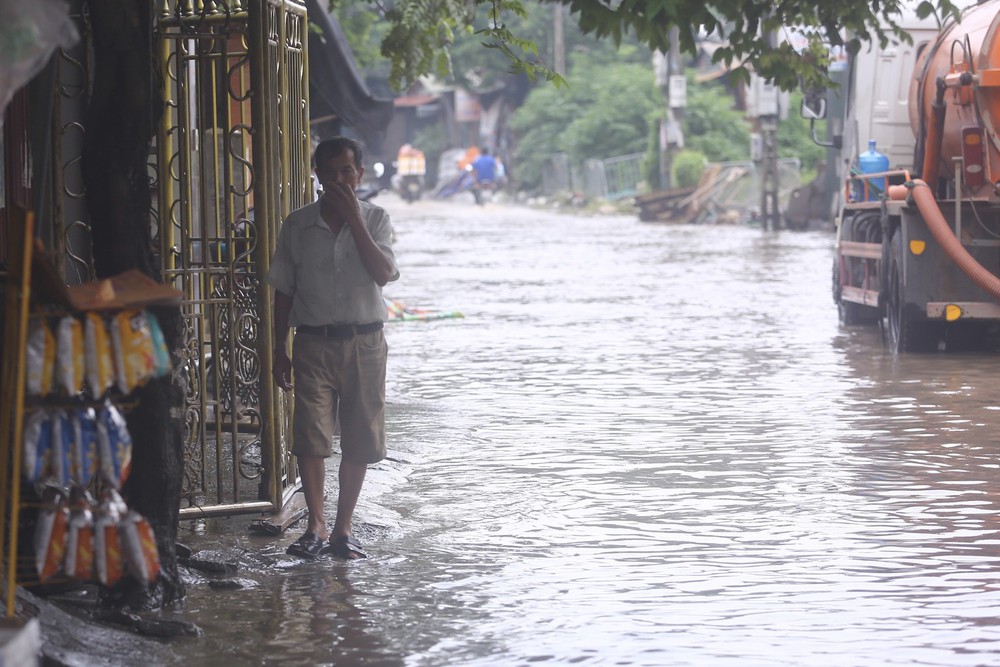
{"points": [[234, 160]]}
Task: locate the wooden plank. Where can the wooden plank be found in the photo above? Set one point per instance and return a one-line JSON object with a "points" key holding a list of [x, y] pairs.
{"points": [[17, 296], [862, 250]]}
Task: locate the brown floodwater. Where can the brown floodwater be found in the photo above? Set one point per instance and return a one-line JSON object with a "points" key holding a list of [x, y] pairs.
{"points": [[644, 444]]}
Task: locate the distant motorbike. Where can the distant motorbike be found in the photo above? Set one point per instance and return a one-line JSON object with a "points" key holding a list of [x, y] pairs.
{"points": [[482, 191], [411, 186]]}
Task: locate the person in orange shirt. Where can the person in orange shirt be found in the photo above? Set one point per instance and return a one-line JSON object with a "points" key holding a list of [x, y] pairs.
{"points": [[411, 166]]}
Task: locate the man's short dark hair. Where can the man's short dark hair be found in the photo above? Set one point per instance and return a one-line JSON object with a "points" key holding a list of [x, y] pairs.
{"points": [[486, 151], [329, 148]]}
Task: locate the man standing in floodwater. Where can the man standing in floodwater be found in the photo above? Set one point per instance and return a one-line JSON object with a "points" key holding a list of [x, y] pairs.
{"points": [[332, 259]]}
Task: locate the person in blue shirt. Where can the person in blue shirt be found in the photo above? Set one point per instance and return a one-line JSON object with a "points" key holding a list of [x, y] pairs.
{"points": [[485, 167]]}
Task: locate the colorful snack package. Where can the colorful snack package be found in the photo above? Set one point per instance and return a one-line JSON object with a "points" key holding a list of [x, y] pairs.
{"points": [[50, 534], [41, 352], [63, 435], [161, 355], [139, 544], [85, 451], [80, 536], [133, 348], [37, 452], [108, 555], [114, 445], [69, 355], [99, 366]]}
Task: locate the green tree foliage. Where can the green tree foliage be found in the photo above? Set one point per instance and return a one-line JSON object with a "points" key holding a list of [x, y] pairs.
{"points": [[480, 68], [712, 124], [604, 112], [795, 139], [365, 30], [421, 31], [688, 167]]}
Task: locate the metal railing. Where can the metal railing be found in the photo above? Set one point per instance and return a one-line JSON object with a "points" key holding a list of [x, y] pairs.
{"points": [[234, 161]]}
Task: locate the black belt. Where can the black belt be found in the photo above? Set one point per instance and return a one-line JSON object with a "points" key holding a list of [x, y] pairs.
{"points": [[340, 331]]}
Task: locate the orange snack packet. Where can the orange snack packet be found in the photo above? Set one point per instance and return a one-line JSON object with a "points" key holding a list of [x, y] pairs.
{"points": [[134, 352], [139, 542], [108, 553], [99, 366], [50, 535], [80, 540]]}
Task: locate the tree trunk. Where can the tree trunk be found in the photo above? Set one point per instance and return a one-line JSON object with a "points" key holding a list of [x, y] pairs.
{"points": [[125, 107]]}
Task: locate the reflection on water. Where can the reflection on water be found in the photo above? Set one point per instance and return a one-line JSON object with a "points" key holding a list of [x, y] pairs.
{"points": [[643, 445]]}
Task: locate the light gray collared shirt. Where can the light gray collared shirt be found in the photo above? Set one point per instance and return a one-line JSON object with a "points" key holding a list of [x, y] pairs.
{"points": [[323, 271]]}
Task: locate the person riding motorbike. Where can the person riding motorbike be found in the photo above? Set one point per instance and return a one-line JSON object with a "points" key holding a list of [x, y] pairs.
{"points": [[485, 167], [411, 167]]}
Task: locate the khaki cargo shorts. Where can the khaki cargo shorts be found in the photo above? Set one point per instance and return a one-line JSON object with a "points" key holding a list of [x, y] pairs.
{"points": [[343, 379]]}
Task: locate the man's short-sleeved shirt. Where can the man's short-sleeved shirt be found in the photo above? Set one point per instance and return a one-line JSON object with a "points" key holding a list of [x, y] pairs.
{"points": [[323, 272], [485, 166]]}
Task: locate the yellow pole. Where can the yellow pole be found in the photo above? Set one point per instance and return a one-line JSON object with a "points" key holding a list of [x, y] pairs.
{"points": [[15, 349]]}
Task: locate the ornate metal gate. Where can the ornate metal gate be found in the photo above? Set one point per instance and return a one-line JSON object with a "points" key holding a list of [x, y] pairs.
{"points": [[234, 160]]}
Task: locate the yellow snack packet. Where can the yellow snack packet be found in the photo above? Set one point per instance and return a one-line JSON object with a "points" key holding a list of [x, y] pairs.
{"points": [[99, 366], [133, 346], [69, 357], [41, 351]]}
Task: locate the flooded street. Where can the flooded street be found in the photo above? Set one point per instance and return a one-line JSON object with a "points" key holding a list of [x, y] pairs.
{"points": [[643, 445]]}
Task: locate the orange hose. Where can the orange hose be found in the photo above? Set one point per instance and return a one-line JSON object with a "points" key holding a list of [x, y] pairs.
{"points": [[898, 192], [932, 215]]}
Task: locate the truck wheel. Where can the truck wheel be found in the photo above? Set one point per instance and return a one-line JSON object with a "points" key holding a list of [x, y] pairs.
{"points": [[903, 333]]}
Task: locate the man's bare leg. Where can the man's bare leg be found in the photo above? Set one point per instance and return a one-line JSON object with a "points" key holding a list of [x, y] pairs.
{"points": [[352, 478], [312, 470]]}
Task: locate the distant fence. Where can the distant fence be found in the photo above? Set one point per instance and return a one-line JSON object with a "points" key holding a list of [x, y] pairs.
{"points": [[613, 178]]}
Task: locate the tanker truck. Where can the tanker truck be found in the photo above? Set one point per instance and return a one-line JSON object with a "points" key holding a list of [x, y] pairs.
{"points": [[918, 233]]}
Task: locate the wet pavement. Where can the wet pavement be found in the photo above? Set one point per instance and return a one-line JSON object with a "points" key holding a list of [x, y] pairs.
{"points": [[643, 444]]}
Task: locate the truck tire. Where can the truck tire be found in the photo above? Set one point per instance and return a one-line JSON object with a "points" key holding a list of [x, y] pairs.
{"points": [[903, 332]]}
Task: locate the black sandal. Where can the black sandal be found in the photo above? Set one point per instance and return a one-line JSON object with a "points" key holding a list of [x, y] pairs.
{"points": [[308, 546], [346, 547]]}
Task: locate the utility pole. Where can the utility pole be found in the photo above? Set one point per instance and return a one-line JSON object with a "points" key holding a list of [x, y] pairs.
{"points": [[558, 40], [668, 70], [769, 181], [766, 111]]}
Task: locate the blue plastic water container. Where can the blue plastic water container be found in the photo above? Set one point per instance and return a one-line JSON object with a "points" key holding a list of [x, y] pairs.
{"points": [[872, 162]]}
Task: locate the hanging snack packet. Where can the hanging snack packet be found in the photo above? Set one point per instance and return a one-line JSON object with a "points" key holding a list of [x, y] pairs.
{"points": [[139, 544], [114, 445], [63, 435], [133, 348], [80, 535], [100, 367], [37, 453], [161, 355], [108, 555], [41, 352], [85, 457], [69, 356], [50, 534]]}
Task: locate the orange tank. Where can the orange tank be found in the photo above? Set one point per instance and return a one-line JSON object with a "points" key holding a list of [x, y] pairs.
{"points": [[966, 58]]}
